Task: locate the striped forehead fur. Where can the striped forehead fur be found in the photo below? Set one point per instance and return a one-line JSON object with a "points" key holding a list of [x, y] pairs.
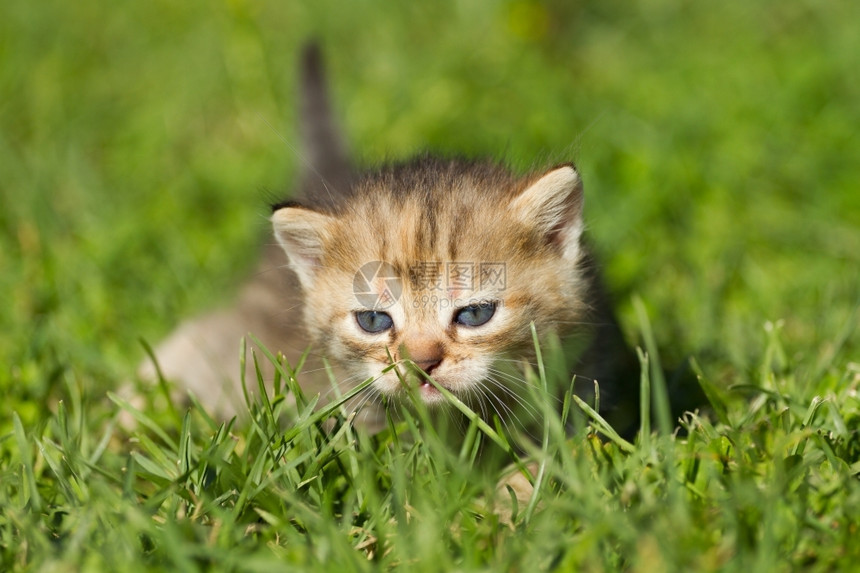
{"points": [[428, 180], [429, 208]]}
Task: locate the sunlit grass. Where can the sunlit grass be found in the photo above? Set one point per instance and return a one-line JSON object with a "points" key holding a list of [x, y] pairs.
{"points": [[773, 484]]}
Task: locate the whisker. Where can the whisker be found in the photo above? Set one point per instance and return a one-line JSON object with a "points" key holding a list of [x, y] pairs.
{"points": [[515, 419], [523, 383], [521, 401], [506, 418], [517, 361]]}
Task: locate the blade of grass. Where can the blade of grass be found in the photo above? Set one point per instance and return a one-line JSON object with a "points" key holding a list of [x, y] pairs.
{"points": [[712, 393], [660, 394], [162, 381], [143, 419], [548, 413], [603, 426], [32, 494], [644, 400], [70, 491]]}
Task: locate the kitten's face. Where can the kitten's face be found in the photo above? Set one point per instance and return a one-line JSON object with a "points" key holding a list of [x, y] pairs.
{"points": [[442, 269]]}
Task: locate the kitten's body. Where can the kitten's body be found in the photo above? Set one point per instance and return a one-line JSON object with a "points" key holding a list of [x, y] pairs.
{"points": [[433, 264], [202, 354]]}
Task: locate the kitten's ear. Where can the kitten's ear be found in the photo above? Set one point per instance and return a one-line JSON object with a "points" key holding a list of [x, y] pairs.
{"points": [[553, 206], [301, 233]]}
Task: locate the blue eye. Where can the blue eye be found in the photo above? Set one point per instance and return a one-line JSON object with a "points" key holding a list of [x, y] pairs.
{"points": [[475, 314], [373, 321]]}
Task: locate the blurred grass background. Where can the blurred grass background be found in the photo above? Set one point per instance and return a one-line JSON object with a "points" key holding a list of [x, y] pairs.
{"points": [[141, 142]]}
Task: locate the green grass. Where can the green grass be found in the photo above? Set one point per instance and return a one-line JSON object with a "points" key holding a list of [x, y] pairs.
{"points": [[140, 144]]}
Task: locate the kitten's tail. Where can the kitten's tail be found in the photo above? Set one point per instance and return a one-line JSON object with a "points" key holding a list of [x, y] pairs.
{"points": [[327, 169]]}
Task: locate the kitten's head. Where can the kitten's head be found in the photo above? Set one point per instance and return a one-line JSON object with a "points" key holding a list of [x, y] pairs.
{"points": [[441, 265]]}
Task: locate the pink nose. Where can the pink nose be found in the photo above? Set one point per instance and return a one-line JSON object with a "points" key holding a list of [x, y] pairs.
{"points": [[426, 353], [428, 366]]}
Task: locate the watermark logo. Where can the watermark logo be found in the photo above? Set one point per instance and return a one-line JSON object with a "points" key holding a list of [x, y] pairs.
{"points": [[426, 276], [461, 276], [444, 302], [371, 274], [464, 277], [493, 275], [432, 282]]}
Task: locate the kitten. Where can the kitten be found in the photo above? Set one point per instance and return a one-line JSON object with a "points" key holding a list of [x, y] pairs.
{"points": [[437, 264]]}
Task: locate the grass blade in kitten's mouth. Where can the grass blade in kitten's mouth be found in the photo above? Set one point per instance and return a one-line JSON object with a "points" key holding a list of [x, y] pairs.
{"points": [[429, 393], [415, 379], [421, 382]]}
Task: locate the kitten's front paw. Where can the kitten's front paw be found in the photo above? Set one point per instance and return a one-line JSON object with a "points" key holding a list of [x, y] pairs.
{"points": [[513, 493]]}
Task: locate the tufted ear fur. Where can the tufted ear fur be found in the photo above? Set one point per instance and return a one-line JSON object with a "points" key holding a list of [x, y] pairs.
{"points": [[553, 205], [301, 233]]}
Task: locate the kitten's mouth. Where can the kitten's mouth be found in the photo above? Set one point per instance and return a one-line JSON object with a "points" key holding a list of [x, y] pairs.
{"points": [[414, 380], [429, 393], [426, 386]]}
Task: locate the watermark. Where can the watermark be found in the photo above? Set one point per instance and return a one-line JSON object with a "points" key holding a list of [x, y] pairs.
{"points": [[426, 276], [442, 302], [365, 279], [432, 279], [493, 275], [457, 276]]}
